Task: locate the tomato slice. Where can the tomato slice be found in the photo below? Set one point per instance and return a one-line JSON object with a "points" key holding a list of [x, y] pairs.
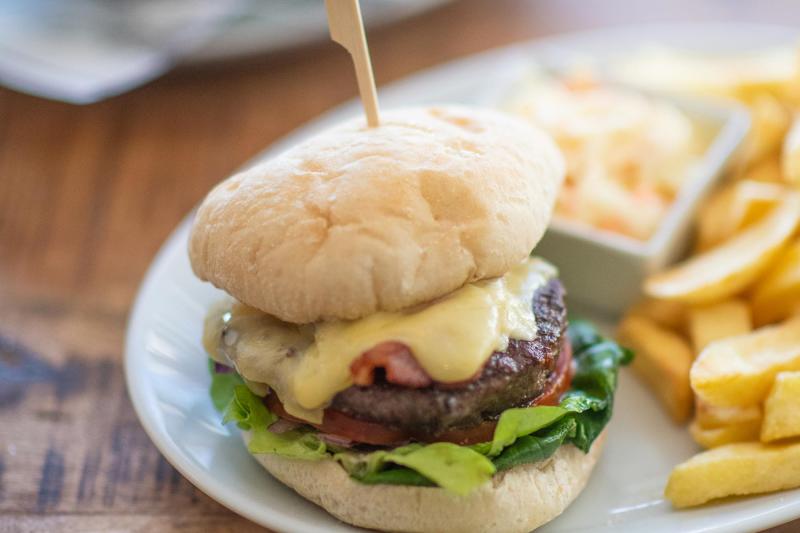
{"points": [[345, 426], [350, 428], [561, 380]]}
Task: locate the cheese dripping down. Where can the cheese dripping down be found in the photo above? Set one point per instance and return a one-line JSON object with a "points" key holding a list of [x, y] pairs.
{"points": [[306, 365]]}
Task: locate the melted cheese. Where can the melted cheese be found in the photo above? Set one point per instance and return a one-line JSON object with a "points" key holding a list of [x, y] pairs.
{"points": [[451, 338]]}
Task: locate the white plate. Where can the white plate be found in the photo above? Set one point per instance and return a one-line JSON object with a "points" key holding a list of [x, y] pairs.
{"points": [[168, 380]]}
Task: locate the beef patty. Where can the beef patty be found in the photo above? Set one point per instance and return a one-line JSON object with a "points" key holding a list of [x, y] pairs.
{"points": [[510, 378]]}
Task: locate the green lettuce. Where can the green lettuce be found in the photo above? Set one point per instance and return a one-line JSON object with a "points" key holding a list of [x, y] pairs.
{"points": [[222, 384], [247, 410], [250, 414], [456, 468], [536, 447], [518, 422], [522, 436], [296, 444]]}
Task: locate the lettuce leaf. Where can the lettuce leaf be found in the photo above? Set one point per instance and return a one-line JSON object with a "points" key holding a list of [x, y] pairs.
{"points": [[522, 435], [395, 476], [296, 444], [458, 469], [518, 422], [247, 410], [536, 447], [250, 414], [597, 362], [222, 385], [363, 464]]}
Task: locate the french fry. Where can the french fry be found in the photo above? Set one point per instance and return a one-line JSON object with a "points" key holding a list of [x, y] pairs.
{"points": [[790, 156], [767, 170], [720, 436], [671, 315], [739, 371], [777, 294], [718, 321], [734, 470], [735, 208], [782, 408], [713, 222], [770, 121], [662, 360], [774, 71], [731, 267], [712, 416], [716, 426], [743, 76]]}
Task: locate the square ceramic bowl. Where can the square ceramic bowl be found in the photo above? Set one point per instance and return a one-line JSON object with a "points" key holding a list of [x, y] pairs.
{"points": [[604, 270]]}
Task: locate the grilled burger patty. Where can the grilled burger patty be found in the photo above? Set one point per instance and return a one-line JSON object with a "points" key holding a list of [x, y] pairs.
{"points": [[510, 378]]}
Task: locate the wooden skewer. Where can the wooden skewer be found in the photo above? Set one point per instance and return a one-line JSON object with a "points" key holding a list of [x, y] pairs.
{"points": [[347, 29]]}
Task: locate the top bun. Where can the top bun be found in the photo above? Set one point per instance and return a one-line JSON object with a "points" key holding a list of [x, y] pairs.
{"points": [[357, 219]]}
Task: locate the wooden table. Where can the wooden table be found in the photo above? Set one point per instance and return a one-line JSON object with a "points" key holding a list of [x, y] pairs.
{"points": [[87, 195]]}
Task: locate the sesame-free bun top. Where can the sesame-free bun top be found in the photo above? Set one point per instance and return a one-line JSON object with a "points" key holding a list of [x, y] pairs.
{"points": [[357, 219]]}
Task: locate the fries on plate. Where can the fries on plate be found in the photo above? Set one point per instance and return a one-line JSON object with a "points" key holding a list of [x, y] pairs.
{"points": [[782, 408], [712, 416], [735, 208], [744, 273], [733, 266], [734, 470], [777, 295], [718, 321], [667, 314], [719, 436], [663, 359], [790, 156], [715, 426], [739, 371], [767, 170]]}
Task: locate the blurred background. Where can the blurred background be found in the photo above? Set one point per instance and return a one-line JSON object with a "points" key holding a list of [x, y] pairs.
{"points": [[116, 117]]}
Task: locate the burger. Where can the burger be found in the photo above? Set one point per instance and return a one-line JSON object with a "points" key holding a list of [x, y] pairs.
{"points": [[389, 348]]}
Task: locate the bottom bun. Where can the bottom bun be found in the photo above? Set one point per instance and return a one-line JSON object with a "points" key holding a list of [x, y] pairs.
{"points": [[517, 500]]}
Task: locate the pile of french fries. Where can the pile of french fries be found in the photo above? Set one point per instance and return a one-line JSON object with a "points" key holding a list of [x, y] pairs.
{"points": [[717, 338]]}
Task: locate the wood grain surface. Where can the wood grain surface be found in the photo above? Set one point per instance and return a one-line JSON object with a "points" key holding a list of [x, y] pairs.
{"points": [[87, 195]]}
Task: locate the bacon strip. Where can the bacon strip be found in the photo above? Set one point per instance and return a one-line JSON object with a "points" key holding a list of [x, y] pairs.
{"points": [[397, 362]]}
